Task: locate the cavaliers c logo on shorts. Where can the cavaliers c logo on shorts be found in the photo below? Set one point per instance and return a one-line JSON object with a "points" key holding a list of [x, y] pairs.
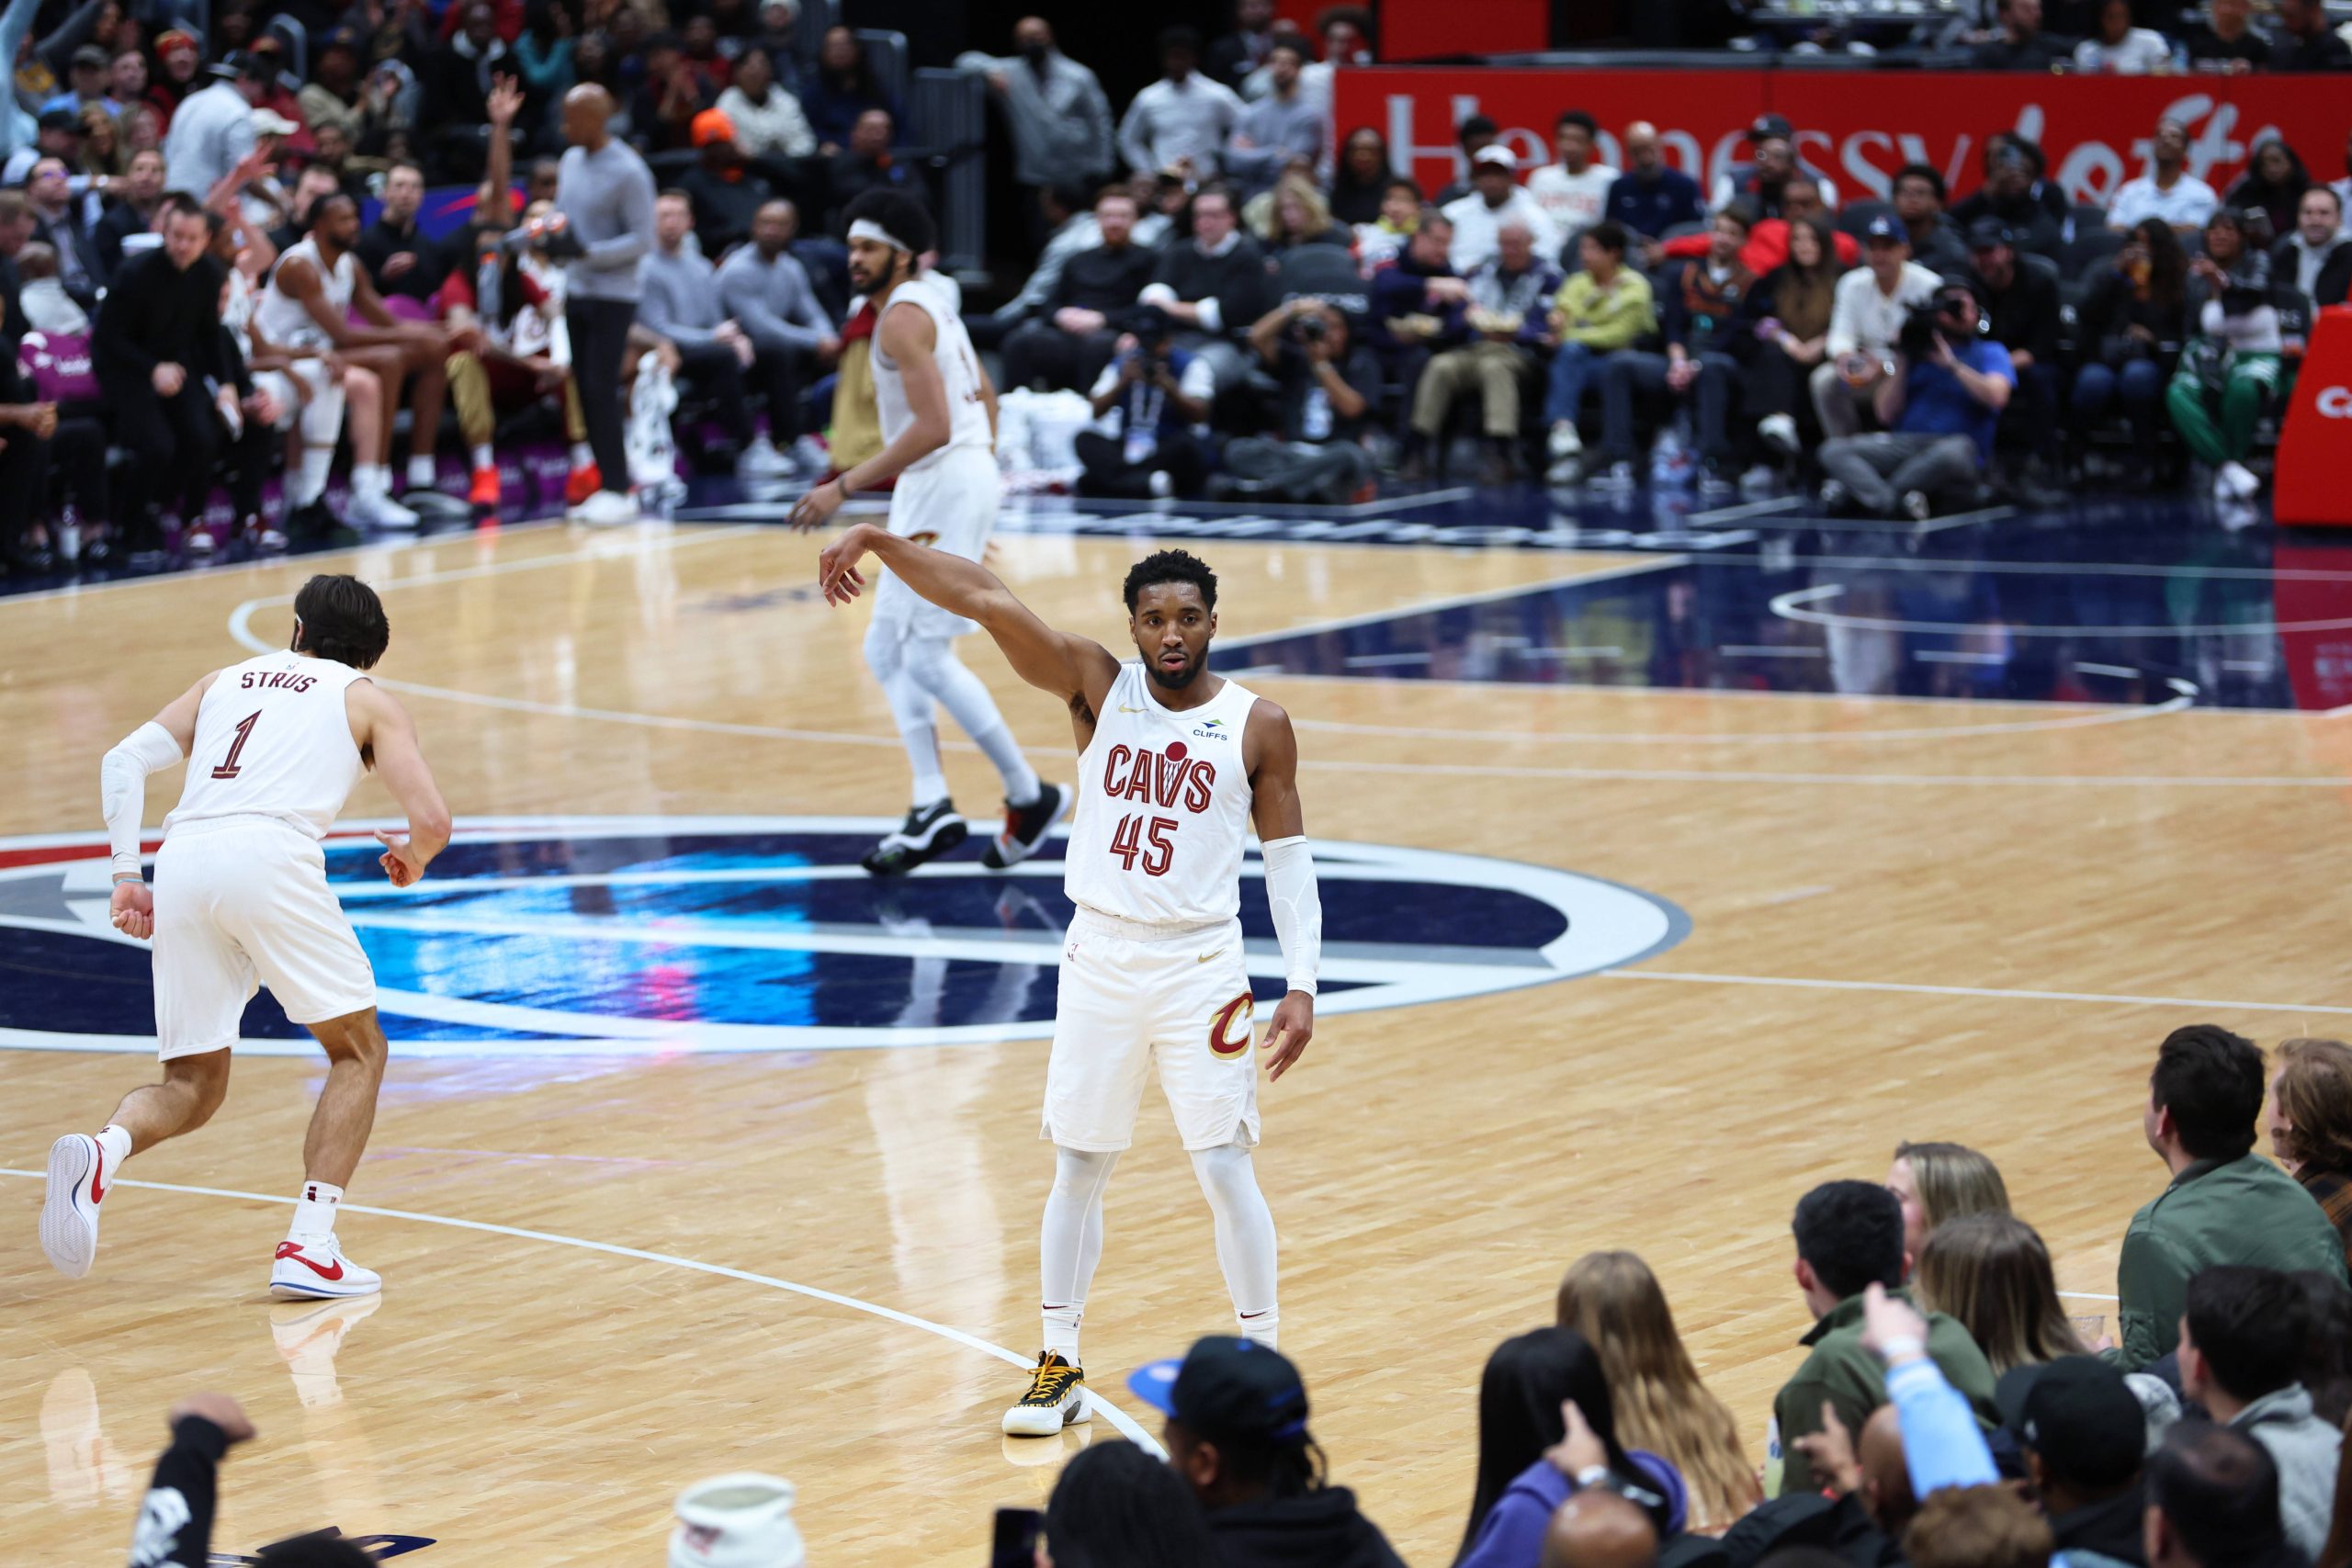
{"points": [[1223, 1041]]}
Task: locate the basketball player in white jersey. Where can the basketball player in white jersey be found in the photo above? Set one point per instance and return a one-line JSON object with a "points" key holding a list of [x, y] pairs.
{"points": [[317, 285], [273, 747], [1175, 765], [938, 417]]}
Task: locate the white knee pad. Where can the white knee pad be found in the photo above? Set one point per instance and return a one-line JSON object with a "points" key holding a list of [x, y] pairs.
{"points": [[886, 648]]}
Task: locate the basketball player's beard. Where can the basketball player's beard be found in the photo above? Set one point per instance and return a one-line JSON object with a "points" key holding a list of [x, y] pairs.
{"points": [[1182, 678]]}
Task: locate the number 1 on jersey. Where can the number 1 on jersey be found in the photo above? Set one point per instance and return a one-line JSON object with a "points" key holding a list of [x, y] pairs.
{"points": [[1157, 846], [228, 767]]}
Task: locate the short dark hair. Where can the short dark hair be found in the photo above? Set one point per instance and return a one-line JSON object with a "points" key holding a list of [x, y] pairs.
{"points": [[1918, 172], [2218, 1491], [319, 207], [411, 164], [900, 214], [1170, 566], [1293, 42], [179, 203], [1220, 190], [1171, 39], [1477, 125], [673, 193], [1116, 1504], [1398, 182], [1610, 235], [342, 619], [2326, 1370], [1356, 17], [1852, 1234], [2211, 1082], [1578, 117], [313, 1551], [2248, 1323], [1741, 211]]}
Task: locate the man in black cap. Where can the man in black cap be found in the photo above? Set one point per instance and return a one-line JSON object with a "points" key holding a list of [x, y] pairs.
{"points": [[1236, 1433], [2083, 1433], [2021, 305], [86, 80], [1772, 161]]}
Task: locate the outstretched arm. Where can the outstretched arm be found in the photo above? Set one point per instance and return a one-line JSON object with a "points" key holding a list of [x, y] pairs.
{"points": [[162, 742], [1272, 749], [381, 728], [1072, 668]]}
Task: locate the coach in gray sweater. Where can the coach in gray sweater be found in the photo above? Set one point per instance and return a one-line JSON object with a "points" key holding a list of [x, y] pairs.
{"points": [[766, 290], [605, 194]]}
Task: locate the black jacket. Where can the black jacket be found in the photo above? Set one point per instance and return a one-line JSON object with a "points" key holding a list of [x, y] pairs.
{"points": [[157, 314], [117, 223], [380, 243], [1322, 1530], [1102, 279], [2335, 280], [1807, 1518], [2026, 316], [2111, 1528], [176, 1523], [1238, 279]]}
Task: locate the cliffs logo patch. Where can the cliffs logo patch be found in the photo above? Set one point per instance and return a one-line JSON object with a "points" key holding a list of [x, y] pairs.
{"points": [[564, 936]]}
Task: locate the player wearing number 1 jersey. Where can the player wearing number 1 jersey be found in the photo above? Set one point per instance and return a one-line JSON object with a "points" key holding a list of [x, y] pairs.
{"points": [[1175, 766], [273, 747]]}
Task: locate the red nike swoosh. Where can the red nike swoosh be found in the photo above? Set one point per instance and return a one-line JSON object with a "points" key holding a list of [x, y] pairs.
{"points": [[98, 1170], [290, 1249]]}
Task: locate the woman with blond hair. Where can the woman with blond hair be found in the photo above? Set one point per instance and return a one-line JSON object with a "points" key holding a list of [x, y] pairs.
{"points": [[1292, 214], [2310, 1121], [1936, 1182], [1992, 1272], [1613, 1300]]}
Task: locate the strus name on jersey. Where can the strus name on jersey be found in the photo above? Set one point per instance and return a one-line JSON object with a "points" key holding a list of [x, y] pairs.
{"points": [[1165, 778], [262, 680]]}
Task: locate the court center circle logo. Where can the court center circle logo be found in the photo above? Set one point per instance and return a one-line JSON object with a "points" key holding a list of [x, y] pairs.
{"points": [[557, 936]]}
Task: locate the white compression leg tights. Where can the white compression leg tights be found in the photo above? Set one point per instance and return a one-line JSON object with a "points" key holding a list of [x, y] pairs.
{"points": [[1069, 1243], [933, 664], [1245, 1237], [910, 708]]}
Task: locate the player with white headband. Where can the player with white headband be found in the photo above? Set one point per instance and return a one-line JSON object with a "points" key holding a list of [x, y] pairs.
{"points": [[938, 416]]}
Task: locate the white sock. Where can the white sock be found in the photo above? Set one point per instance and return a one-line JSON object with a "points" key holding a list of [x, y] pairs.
{"points": [[371, 480], [582, 455], [421, 473], [316, 1209], [1245, 1237], [114, 1145], [933, 665], [923, 755], [310, 480], [484, 458], [1069, 1245]]}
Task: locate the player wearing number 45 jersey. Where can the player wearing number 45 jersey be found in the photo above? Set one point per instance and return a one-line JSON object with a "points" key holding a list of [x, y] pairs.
{"points": [[273, 747], [1175, 764]]}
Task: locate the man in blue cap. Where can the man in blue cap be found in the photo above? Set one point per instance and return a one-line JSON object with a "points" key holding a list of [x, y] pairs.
{"points": [[1236, 1433]]}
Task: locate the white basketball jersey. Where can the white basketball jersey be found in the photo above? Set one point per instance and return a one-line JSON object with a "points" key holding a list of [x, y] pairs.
{"points": [[273, 738], [283, 318], [1163, 807], [959, 374]]}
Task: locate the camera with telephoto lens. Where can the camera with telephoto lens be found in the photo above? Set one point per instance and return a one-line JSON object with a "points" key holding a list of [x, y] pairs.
{"points": [[1949, 316], [1310, 326]]}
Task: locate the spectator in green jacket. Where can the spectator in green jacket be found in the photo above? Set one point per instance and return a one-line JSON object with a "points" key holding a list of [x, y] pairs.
{"points": [[1849, 1238], [2225, 1204]]}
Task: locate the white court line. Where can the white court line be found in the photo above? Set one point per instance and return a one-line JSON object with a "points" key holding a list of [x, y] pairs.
{"points": [[1984, 992], [1117, 1418], [1697, 775], [1460, 601], [2090, 1295], [1746, 509], [1796, 605]]}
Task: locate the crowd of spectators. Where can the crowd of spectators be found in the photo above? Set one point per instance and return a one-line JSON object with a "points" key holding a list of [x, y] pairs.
{"points": [[1238, 297], [1948, 1410]]}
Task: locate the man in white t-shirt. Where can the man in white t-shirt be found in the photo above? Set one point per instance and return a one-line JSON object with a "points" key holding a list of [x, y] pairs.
{"points": [[2167, 190], [1574, 192], [1496, 198], [1865, 323]]}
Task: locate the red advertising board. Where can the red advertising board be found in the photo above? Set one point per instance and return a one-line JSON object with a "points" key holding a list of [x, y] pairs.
{"points": [[1859, 127], [2313, 480]]}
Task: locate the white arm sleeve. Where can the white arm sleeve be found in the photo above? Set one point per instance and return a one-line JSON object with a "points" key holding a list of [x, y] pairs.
{"points": [[122, 788], [1297, 910]]}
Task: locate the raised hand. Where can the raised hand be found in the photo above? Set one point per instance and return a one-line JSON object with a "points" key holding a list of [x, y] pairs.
{"points": [[504, 102]]}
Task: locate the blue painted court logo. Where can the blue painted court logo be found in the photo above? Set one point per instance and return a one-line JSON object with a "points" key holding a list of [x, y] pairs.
{"points": [[564, 935]]}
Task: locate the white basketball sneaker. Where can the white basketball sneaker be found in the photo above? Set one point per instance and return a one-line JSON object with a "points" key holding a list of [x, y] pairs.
{"points": [[69, 1214], [312, 1267], [1056, 1398]]}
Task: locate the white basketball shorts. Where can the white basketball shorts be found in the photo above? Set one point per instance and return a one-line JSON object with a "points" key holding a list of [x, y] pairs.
{"points": [[242, 902], [952, 506], [1132, 996]]}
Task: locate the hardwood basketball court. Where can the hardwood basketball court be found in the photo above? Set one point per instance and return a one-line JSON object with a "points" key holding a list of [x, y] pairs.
{"points": [[619, 1263]]}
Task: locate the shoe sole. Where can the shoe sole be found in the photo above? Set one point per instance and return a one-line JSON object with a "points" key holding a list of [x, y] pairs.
{"points": [[944, 838], [294, 1291], [1007, 852], [1023, 1422], [68, 1236]]}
